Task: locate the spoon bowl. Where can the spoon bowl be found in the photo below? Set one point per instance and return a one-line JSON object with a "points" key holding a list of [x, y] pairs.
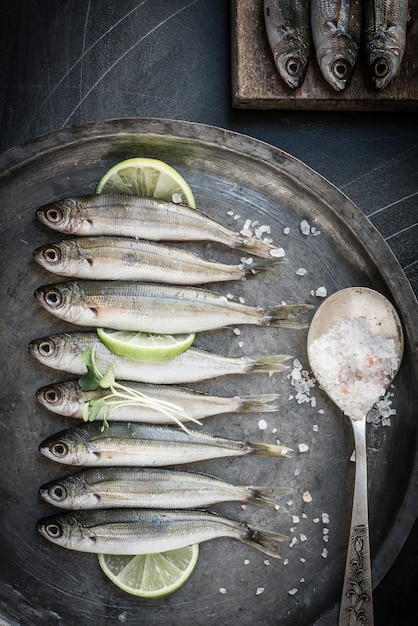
{"points": [[355, 347]]}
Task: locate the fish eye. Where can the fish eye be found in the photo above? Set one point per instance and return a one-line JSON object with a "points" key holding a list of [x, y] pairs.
{"points": [[52, 395], [46, 348], [59, 449], [53, 297], [380, 68], [54, 215], [52, 254], [54, 530], [340, 69], [58, 493], [293, 67]]}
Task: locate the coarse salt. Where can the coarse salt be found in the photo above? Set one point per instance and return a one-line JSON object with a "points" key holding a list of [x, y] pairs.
{"points": [[321, 292], [301, 271], [262, 424], [305, 229], [307, 497], [277, 252], [259, 591], [324, 553], [325, 518], [222, 590], [292, 592], [303, 447], [286, 230]]}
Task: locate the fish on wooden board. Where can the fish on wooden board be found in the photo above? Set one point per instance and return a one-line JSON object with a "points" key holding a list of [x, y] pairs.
{"points": [[384, 31], [336, 33], [288, 31]]}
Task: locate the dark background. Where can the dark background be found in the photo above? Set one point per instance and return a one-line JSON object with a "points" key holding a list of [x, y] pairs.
{"points": [[69, 61]]}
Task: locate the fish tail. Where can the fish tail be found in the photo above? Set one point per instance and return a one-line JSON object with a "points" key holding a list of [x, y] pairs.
{"points": [[259, 403], [254, 246], [285, 316], [269, 449], [263, 269], [270, 363], [263, 540], [264, 496]]}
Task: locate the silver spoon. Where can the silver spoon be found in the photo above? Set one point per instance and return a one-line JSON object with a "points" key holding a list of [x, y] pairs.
{"points": [[356, 308]]}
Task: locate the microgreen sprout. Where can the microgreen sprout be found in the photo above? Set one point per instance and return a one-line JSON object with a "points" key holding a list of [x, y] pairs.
{"points": [[120, 395]]}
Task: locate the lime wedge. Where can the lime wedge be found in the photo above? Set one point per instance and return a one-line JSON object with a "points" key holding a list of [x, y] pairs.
{"points": [[145, 346], [151, 575], [147, 177]]}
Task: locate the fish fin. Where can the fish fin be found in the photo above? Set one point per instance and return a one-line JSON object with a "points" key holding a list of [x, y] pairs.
{"points": [[269, 449], [254, 246], [259, 403], [269, 363], [264, 496], [263, 269], [262, 540], [285, 316]]}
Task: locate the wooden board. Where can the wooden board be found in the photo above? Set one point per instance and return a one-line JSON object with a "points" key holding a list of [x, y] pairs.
{"points": [[256, 83]]}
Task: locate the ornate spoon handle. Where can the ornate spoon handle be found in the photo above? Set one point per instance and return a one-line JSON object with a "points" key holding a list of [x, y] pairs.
{"points": [[357, 601]]}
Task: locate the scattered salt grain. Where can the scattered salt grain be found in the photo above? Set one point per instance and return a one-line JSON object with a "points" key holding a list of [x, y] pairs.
{"points": [[289, 502], [302, 537], [247, 224], [259, 591], [325, 531], [302, 560], [301, 271], [286, 561], [307, 497], [246, 562], [292, 543], [230, 296], [292, 592], [295, 519], [321, 292], [236, 331], [325, 518], [353, 456], [303, 447], [230, 213], [292, 529], [246, 232], [242, 300], [262, 424], [240, 343], [296, 472], [222, 590], [324, 553], [305, 229], [321, 411], [286, 230], [326, 538], [266, 562], [302, 580], [176, 198], [315, 427], [315, 520], [304, 516], [236, 217], [277, 252]]}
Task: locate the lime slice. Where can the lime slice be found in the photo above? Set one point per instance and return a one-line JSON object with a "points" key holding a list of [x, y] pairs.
{"points": [[147, 177], [151, 575], [145, 346]]}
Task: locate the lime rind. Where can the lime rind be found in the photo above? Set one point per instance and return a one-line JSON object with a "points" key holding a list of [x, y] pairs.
{"points": [[145, 346]]}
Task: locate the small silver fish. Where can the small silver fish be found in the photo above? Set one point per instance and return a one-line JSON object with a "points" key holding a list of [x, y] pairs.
{"points": [[336, 32], [149, 488], [145, 445], [384, 32], [142, 531], [143, 218], [63, 352], [68, 398], [287, 25], [123, 258], [154, 308]]}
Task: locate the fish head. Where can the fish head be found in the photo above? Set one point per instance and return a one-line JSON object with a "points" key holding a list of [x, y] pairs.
{"points": [[61, 398], [384, 56], [337, 69], [63, 350], [291, 57], [66, 301], [64, 216], [66, 531], [71, 492], [70, 447], [62, 258]]}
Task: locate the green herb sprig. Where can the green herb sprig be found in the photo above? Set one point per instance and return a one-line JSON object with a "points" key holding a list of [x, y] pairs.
{"points": [[127, 396]]}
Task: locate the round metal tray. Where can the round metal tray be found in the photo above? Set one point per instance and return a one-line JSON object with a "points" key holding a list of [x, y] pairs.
{"points": [[42, 583]]}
